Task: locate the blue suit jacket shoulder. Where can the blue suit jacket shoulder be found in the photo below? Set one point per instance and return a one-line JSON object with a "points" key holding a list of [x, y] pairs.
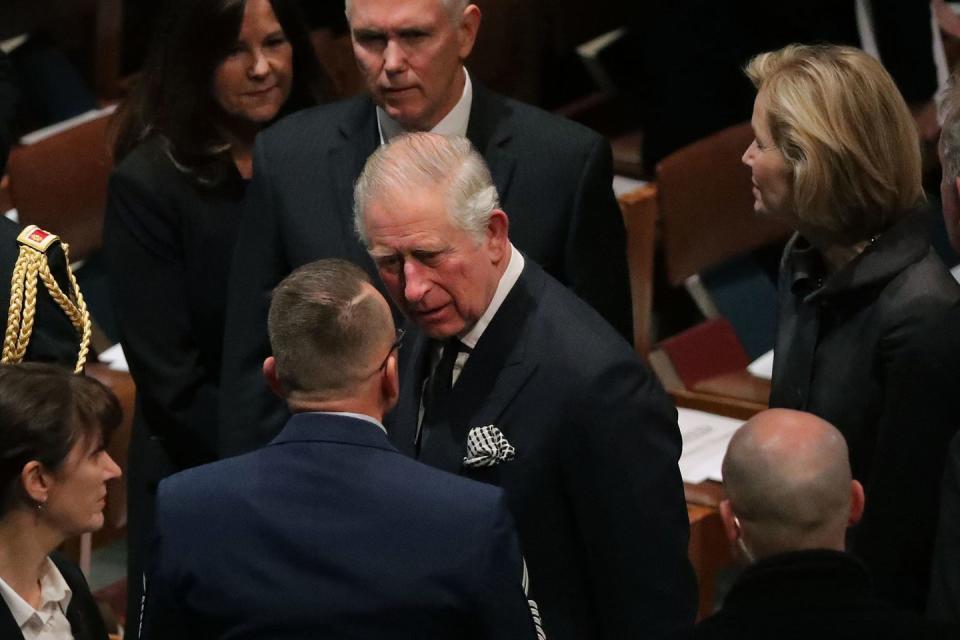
{"points": [[329, 532]]}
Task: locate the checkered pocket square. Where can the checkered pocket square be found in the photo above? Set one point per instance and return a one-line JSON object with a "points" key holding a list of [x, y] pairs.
{"points": [[487, 446]]}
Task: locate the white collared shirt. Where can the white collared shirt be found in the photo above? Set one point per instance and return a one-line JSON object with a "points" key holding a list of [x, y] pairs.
{"points": [[452, 124], [49, 621], [358, 416]]}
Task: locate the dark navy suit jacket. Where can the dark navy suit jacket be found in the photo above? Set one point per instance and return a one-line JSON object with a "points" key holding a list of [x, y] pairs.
{"points": [[553, 177], [594, 486], [329, 532]]}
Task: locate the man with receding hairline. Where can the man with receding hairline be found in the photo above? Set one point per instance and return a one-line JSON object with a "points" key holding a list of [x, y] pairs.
{"points": [[329, 532], [790, 498], [555, 177]]}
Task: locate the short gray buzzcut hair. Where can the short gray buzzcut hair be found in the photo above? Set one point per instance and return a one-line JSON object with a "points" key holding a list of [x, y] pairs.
{"points": [[454, 8], [950, 130], [424, 161]]}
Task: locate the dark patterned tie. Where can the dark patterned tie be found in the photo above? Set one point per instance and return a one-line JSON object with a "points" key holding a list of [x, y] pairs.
{"points": [[435, 396], [441, 382]]}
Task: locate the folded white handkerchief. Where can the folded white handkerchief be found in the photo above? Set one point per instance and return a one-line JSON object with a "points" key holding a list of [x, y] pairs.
{"points": [[487, 446]]}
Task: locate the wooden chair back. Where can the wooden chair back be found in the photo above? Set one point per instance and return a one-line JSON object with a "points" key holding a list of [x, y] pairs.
{"points": [[706, 205], [639, 208], [60, 184]]}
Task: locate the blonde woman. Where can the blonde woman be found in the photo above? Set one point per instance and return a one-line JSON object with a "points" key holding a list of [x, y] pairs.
{"points": [[836, 156]]}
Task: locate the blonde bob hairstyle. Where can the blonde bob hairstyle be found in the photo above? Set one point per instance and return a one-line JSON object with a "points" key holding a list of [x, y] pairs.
{"points": [[846, 135]]}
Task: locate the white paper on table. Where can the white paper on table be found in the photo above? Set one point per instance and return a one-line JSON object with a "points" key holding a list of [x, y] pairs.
{"points": [[955, 272], [115, 358], [762, 367], [705, 439]]}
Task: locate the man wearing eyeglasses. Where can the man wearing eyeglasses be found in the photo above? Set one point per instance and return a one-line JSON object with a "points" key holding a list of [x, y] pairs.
{"points": [[329, 531]]}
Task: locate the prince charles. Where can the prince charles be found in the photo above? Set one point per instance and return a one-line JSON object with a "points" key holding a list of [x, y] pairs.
{"points": [[511, 379]]}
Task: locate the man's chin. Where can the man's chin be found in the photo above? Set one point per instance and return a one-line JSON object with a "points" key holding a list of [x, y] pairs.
{"points": [[401, 112]]}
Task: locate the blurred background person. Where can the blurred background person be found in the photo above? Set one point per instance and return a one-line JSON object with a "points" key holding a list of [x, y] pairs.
{"points": [[790, 499], [836, 156], [53, 472], [218, 72]]}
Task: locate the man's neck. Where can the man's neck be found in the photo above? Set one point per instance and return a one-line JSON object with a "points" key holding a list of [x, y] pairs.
{"points": [[301, 403]]}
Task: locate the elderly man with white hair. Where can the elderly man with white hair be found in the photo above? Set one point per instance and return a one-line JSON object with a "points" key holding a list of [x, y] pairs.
{"points": [[512, 380]]}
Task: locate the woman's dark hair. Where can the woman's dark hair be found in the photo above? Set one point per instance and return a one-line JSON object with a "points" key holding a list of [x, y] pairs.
{"points": [[44, 411], [173, 97]]}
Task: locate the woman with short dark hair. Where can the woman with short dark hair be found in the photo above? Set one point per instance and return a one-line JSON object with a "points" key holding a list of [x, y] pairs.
{"points": [[53, 472], [217, 73]]}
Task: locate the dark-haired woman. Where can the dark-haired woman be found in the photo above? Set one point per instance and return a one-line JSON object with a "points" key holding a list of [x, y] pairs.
{"points": [[53, 472], [218, 72]]}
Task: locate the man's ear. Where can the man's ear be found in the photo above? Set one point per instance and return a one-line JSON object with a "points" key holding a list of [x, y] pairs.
{"points": [[857, 503], [498, 239], [467, 30], [390, 383], [273, 380], [729, 519]]}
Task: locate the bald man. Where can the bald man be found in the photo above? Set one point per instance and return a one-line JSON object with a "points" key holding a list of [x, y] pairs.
{"points": [[790, 498]]}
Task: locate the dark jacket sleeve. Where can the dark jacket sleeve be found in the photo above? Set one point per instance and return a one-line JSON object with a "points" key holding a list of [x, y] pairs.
{"points": [[250, 415], [502, 608], [944, 601], [622, 476], [921, 414], [178, 396], [165, 615], [596, 247]]}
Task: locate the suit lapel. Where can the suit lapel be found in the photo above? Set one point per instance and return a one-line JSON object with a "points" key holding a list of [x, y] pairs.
{"points": [[402, 421], [8, 626], [489, 132], [359, 138], [494, 374]]}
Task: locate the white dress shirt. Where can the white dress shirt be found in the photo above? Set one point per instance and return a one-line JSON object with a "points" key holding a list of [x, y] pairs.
{"points": [[471, 337], [452, 124], [49, 621]]}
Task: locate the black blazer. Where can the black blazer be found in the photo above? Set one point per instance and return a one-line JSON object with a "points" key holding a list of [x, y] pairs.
{"points": [[594, 487], [328, 532], [83, 614], [812, 594], [53, 339], [944, 603], [168, 245], [554, 179], [842, 354]]}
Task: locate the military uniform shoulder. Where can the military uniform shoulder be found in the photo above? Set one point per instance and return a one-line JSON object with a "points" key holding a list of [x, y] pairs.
{"points": [[36, 238]]}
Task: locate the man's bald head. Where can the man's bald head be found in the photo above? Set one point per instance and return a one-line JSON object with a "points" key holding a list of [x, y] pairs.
{"points": [[787, 477]]}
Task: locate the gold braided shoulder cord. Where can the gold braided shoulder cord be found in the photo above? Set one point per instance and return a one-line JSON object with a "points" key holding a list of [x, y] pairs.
{"points": [[31, 264]]}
